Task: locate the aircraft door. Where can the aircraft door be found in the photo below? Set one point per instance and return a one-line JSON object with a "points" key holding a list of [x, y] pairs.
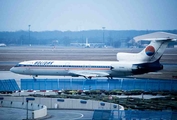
{"points": [[89, 67], [86, 67], [83, 67], [67, 64], [28, 69]]}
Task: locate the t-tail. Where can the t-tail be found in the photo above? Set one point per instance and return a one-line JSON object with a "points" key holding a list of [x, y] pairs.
{"points": [[148, 59]]}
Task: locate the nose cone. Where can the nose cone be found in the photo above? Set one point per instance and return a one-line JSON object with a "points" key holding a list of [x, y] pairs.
{"points": [[12, 69]]}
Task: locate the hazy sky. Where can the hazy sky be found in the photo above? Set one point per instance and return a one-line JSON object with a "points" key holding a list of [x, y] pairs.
{"points": [[77, 15]]}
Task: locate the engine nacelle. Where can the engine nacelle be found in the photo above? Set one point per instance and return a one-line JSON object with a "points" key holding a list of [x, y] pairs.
{"points": [[146, 67], [137, 68]]}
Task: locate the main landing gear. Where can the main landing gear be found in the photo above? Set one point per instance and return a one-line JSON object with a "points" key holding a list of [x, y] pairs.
{"points": [[110, 78], [88, 78], [34, 77]]}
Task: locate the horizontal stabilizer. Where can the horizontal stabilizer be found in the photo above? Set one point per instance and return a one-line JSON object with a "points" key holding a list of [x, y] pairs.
{"points": [[156, 36]]}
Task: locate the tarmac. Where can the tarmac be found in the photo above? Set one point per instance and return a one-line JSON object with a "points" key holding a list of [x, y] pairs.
{"points": [[19, 114], [9, 56]]}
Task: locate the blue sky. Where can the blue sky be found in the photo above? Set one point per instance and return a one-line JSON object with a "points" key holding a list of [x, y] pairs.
{"points": [[78, 15]]}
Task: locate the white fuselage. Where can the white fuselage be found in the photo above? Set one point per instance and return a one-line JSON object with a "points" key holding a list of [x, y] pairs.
{"points": [[73, 68]]}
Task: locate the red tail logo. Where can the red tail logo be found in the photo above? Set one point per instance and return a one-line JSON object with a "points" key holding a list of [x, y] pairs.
{"points": [[150, 50]]}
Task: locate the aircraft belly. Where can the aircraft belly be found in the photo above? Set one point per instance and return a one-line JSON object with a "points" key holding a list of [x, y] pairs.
{"points": [[119, 74], [59, 72]]}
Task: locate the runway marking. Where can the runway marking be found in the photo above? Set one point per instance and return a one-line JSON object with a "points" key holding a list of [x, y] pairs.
{"points": [[72, 113], [79, 117]]}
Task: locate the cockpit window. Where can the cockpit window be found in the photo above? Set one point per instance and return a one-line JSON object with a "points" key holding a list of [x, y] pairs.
{"points": [[18, 65]]}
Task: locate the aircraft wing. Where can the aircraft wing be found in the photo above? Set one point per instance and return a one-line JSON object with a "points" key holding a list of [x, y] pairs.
{"points": [[88, 74]]}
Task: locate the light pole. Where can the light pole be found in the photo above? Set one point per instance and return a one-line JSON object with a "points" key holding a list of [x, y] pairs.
{"points": [[27, 100], [29, 33], [103, 34]]}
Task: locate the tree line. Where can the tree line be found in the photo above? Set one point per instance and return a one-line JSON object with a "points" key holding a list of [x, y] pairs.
{"points": [[108, 37]]}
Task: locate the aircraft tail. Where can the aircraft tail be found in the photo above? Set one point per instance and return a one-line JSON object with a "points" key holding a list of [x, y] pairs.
{"points": [[153, 52]]}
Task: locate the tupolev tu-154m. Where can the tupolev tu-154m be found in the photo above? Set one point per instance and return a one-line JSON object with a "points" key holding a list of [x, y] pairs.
{"points": [[127, 63]]}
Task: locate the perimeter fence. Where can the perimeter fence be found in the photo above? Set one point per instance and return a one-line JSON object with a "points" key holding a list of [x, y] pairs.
{"points": [[102, 84], [9, 85], [133, 115]]}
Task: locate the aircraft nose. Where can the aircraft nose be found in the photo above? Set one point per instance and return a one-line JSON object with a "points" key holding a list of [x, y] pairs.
{"points": [[12, 69]]}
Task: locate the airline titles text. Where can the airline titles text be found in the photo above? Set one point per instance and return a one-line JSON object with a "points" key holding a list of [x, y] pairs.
{"points": [[43, 63]]}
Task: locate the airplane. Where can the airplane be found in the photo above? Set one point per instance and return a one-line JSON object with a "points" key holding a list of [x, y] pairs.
{"points": [[2, 45], [87, 45], [128, 63]]}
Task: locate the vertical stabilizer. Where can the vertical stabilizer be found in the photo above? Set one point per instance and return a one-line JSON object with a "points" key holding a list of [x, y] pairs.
{"points": [[152, 52]]}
